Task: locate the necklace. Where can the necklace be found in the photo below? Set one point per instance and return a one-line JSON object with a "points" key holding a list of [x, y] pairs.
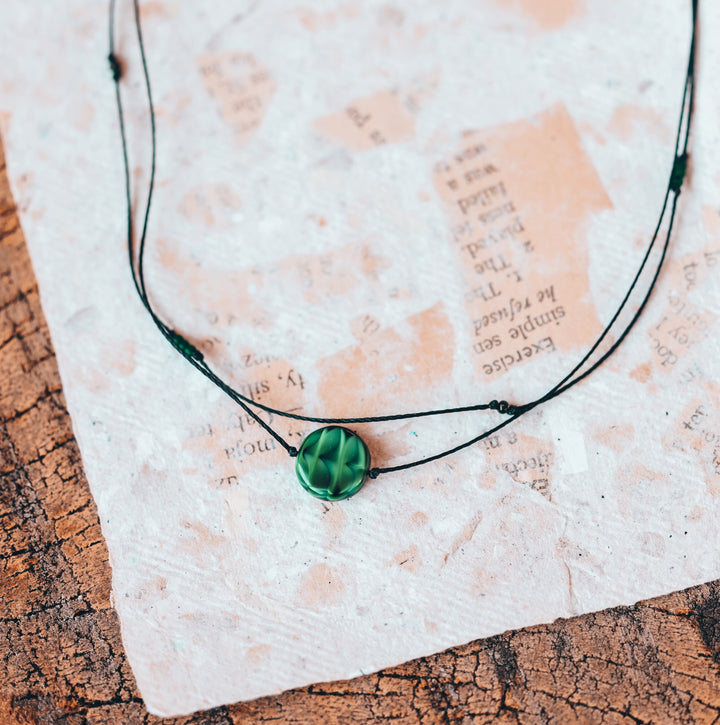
{"points": [[333, 462]]}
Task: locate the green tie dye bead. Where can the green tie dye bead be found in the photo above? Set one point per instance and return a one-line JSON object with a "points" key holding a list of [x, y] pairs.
{"points": [[332, 463]]}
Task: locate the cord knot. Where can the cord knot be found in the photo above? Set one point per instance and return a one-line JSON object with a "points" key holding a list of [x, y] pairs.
{"points": [[115, 67], [373, 473], [502, 406], [292, 451], [677, 175], [184, 347]]}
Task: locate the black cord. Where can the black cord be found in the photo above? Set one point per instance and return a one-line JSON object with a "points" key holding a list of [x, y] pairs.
{"points": [[195, 357]]}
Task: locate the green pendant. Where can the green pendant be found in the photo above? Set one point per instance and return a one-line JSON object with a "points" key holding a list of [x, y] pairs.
{"points": [[332, 463]]}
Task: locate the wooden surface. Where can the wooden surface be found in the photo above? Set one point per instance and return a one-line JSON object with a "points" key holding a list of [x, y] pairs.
{"points": [[61, 655]]}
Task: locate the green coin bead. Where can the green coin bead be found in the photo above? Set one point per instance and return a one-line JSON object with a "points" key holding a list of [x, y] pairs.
{"points": [[332, 463]]}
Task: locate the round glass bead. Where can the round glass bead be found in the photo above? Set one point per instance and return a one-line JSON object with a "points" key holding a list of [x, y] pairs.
{"points": [[332, 463]]}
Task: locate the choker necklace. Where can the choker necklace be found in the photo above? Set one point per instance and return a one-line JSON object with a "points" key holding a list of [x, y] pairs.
{"points": [[333, 462]]}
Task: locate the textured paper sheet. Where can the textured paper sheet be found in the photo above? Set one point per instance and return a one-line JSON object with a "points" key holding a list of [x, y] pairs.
{"points": [[368, 208]]}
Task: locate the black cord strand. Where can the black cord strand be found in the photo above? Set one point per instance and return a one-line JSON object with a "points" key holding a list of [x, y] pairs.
{"points": [[182, 345], [195, 357]]}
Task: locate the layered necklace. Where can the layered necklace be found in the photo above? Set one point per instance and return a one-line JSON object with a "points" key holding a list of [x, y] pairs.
{"points": [[333, 462]]}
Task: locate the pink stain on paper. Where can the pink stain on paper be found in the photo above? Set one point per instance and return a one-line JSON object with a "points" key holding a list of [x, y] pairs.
{"points": [[242, 88], [518, 200], [369, 122]]}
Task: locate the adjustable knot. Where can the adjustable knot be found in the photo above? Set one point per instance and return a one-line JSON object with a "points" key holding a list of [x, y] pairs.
{"points": [[677, 175], [373, 473], [115, 67], [185, 348], [292, 451]]}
